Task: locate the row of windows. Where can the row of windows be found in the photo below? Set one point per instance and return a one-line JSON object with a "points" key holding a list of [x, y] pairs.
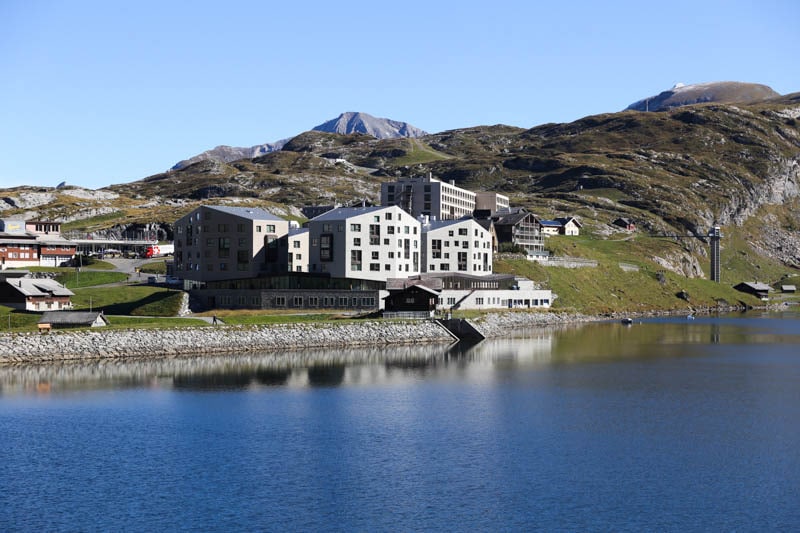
{"points": [[224, 228], [327, 301]]}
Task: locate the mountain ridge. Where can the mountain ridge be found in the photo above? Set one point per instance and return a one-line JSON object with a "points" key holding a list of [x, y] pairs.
{"points": [[346, 123], [719, 91]]}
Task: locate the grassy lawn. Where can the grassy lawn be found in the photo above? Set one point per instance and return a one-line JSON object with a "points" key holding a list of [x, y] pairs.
{"points": [[137, 300], [89, 278], [155, 267], [127, 322], [261, 317]]}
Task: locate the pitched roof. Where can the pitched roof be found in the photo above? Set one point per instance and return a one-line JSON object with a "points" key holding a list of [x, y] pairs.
{"points": [[439, 224], [756, 285], [343, 213], [39, 287], [565, 220], [250, 213], [70, 318], [509, 219]]}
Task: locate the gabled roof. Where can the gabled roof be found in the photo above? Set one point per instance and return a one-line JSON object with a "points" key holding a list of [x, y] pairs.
{"points": [[250, 213], [788, 288], [343, 213], [509, 219], [756, 286], [433, 286], [565, 220], [38, 287], [70, 318], [439, 224]]}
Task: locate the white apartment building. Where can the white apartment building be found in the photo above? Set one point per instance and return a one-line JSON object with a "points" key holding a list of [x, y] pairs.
{"points": [[428, 196], [372, 243], [298, 250], [221, 242], [456, 246]]}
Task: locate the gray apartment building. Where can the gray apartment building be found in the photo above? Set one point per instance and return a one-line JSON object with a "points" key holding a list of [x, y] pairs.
{"points": [[221, 243]]}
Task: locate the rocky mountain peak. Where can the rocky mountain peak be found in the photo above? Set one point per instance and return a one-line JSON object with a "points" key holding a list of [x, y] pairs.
{"points": [[380, 128], [345, 124], [719, 91]]}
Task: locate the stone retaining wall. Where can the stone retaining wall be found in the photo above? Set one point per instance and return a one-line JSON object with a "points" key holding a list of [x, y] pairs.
{"points": [[138, 343]]}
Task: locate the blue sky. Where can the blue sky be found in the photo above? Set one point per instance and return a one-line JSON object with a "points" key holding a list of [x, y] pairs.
{"points": [[96, 92]]}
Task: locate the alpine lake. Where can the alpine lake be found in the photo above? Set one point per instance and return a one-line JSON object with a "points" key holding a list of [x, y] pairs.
{"points": [[666, 424]]}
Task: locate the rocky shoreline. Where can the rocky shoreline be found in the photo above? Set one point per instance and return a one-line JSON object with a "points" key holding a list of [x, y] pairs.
{"points": [[153, 343], [87, 345]]}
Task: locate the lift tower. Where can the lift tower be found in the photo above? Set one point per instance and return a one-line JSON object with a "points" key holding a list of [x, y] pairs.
{"points": [[715, 235]]}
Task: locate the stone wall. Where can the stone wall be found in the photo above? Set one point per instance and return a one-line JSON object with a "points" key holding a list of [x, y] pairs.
{"points": [[138, 343]]}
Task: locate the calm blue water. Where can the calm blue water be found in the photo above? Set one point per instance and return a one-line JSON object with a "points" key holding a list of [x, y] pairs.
{"points": [[665, 425]]}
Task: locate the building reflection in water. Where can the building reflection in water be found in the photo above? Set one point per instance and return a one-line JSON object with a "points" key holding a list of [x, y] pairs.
{"points": [[302, 368]]}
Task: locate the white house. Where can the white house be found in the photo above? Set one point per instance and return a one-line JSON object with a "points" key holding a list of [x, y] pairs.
{"points": [[372, 243], [456, 246]]}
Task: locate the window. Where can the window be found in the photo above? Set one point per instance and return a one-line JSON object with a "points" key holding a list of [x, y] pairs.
{"points": [[478, 301], [224, 247], [355, 227], [462, 261], [406, 230], [375, 267], [297, 301], [343, 302], [387, 267], [356, 241], [340, 228], [451, 301], [280, 301], [271, 245], [326, 247], [376, 218], [295, 244], [222, 228], [444, 266], [240, 228], [355, 259], [375, 255], [386, 242], [326, 227], [391, 255], [390, 230], [436, 248], [270, 228], [465, 244], [450, 233], [374, 234], [313, 301], [463, 231], [388, 216], [431, 267], [258, 229]]}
